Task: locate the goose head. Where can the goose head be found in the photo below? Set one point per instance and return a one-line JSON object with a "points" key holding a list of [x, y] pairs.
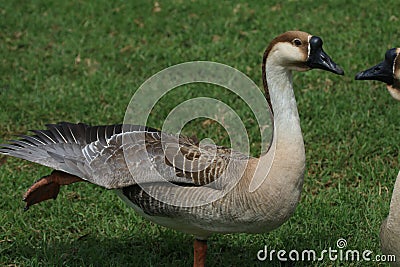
{"points": [[295, 51], [299, 51], [387, 71]]}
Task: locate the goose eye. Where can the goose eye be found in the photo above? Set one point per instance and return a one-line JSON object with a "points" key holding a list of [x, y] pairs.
{"points": [[297, 42]]}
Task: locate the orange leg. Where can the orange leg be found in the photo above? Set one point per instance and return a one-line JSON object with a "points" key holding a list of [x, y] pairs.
{"points": [[200, 252], [48, 187]]}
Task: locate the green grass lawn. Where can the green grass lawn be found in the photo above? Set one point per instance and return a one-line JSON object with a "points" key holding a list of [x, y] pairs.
{"points": [[81, 61]]}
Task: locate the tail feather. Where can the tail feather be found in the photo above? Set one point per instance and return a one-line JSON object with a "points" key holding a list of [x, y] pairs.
{"points": [[44, 136], [49, 147], [61, 146], [34, 140], [71, 165], [56, 131]]}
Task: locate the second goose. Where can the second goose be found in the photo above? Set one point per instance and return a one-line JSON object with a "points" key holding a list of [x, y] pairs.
{"points": [[388, 71]]}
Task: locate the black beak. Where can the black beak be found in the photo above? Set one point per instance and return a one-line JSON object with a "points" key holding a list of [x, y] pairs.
{"points": [[381, 72], [318, 59]]}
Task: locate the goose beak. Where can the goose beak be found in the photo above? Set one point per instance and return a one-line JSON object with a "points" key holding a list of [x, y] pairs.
{"points": [[381, 72], [318, 59]]}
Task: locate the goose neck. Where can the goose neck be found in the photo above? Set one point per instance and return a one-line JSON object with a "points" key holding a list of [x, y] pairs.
{"points": [[283, 164], [394, 213], [283, 104]]}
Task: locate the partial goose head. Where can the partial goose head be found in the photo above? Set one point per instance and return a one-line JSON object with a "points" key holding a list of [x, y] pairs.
{"points": [[388, 71]]}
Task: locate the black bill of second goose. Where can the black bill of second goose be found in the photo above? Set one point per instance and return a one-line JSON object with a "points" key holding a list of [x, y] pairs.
{"points": [[388, 71], [79, 152]]}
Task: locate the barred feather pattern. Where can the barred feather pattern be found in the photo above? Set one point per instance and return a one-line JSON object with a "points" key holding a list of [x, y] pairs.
{"points": [[117, 156]]}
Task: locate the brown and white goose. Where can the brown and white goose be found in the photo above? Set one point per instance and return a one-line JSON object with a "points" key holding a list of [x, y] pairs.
{"points": [[388, 71], [98, 154]]}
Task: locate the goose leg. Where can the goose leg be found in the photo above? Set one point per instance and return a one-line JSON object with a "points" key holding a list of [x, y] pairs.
{"points": [[200, 252], [48, 187]]}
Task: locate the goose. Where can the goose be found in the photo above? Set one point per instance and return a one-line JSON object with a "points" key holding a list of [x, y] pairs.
{"points": [[96, 154], [388, 71]]}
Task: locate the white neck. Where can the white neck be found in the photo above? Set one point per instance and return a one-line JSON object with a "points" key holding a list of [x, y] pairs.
{"points": [[277, 181], [284, 163], [276, 178], [394, 212], [286, 117]]}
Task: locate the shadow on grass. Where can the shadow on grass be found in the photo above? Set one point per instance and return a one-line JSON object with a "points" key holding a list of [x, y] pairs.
{"points": [[165, 249]]}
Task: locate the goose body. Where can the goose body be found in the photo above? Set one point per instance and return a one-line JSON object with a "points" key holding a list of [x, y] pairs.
{"points": [[98, 154], [390, 227], [388, 71]]}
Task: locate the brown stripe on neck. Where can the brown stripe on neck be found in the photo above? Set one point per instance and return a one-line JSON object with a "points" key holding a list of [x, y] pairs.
{"points": [[264, 79], [285, 37], [266, 89], [280, 38]]}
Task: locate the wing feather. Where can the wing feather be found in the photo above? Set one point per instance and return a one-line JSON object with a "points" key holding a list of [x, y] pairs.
{"points": [[116, 156]]}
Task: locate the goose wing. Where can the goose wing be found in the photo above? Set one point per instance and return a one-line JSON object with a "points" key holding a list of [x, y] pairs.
{"points": [[117, 156]]}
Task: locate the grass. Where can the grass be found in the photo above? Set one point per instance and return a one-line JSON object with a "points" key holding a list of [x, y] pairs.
{"points": [[82, 61]]}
